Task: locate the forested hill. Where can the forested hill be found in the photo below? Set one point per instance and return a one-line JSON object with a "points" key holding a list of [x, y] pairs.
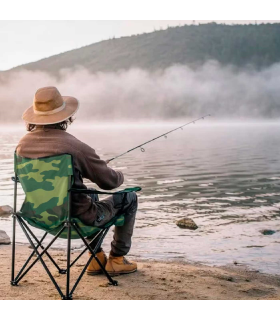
{"points": [[257, 45]]}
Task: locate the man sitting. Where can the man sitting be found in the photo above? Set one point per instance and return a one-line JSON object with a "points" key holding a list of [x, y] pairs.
{"points": [[47, 120]]}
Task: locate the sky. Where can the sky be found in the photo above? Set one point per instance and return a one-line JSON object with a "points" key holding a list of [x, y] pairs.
{"points": [[27, 41]]}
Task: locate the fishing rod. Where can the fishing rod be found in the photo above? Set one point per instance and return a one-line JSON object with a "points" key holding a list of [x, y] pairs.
{"points": [[162, 135]]}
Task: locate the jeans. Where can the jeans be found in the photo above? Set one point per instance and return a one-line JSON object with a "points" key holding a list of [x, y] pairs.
{"points": [[106, 210]]}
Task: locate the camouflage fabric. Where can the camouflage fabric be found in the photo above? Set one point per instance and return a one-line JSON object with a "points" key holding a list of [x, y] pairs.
{"points": [[46, 182]]}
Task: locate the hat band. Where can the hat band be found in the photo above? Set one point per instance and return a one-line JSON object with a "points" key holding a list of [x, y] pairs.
{"points": [[46, 113]]}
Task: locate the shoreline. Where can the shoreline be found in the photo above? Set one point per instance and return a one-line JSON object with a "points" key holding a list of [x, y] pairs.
{"points": [[154, 280]]}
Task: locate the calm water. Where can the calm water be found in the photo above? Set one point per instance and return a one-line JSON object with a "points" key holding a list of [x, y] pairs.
{"points": [[225, 177]]}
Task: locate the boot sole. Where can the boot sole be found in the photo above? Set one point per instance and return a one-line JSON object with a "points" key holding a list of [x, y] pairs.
{"points": [[120, 272], [93, 273]]}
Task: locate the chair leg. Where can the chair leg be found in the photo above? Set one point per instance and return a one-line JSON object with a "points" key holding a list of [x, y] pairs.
{"points": [[19, 277], [93, 252], [85, 249], [29, 258], [39, 256], [13, 251], [68, 295], [14, 232], [111, 280], [40, 245]]}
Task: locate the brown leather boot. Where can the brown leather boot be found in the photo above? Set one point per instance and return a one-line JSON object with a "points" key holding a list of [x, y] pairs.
{"points": [[94, 268], [120, 265]]}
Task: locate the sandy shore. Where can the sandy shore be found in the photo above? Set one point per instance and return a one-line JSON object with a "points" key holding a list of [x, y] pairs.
{"points": [[154, 280]]}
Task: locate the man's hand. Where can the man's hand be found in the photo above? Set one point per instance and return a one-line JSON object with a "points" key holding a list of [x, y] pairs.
{"points": [[107, 161]]}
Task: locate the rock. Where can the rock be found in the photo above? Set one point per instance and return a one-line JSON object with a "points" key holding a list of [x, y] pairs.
{"points": [[4, 238], [5, 210], [267, 232], [186, 223]]}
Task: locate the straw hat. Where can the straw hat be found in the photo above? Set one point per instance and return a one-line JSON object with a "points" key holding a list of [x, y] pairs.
{"points": [[50, 107]]}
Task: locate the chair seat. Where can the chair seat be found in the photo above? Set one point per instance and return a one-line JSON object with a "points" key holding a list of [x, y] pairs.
{"points": [[85, 230]]}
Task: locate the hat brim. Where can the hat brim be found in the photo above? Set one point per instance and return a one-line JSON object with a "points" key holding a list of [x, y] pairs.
{"points": [[71, 107]]}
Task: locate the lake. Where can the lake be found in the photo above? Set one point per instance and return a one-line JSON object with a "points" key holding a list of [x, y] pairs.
{"points": [[225, 176]]}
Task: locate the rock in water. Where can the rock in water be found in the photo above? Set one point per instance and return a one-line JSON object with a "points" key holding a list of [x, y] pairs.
{"points": [[267, 232], [4, 238], [5, 210], [187, 223]]}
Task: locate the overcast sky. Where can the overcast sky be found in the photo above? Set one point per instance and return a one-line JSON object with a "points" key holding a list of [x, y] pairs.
{"points": [[27, 41]]}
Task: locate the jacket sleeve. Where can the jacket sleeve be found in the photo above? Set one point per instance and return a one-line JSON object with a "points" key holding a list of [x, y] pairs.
{"points": [[96, 170]]}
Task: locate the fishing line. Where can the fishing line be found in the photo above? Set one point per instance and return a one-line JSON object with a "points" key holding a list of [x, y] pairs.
{"points": [[162, 135]]}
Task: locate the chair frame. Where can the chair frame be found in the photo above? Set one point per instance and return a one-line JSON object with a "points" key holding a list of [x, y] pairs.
{"points": [[36, 244]]}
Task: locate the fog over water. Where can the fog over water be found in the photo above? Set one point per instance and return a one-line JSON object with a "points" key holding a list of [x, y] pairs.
{"points": [[175, 92]]}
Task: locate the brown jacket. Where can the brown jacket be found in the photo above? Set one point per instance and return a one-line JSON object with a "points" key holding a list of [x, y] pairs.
{"points": [[47, 142]]}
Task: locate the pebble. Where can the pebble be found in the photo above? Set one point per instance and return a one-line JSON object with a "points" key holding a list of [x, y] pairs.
{"points": [[186, 223]]}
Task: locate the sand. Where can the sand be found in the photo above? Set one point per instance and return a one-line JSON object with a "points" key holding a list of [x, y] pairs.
{"points": [[153, 281]]}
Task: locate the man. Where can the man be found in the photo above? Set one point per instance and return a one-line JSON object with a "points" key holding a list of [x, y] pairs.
{"points": [[47, 120]]}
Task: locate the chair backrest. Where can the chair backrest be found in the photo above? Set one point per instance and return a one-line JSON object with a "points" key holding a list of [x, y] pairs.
{"points": [[46, 182]]}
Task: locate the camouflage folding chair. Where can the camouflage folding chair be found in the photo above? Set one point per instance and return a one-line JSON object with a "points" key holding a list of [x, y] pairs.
{"points": [[47, 183]]}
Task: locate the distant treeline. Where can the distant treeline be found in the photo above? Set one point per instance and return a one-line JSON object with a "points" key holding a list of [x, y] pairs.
{"points": [[254, 44]]}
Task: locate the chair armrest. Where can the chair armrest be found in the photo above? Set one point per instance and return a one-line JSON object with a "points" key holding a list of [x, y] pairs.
{"points": [[88, 191]]}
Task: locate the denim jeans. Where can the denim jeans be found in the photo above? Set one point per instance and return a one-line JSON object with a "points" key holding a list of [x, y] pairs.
{"points": [[107, 209]]}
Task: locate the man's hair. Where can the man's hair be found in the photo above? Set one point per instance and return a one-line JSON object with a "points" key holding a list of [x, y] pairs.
{"points": [[61, 125]]}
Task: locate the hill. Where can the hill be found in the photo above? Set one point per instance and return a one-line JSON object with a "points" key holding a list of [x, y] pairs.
{"points": [[240, 45], [188, 84]]}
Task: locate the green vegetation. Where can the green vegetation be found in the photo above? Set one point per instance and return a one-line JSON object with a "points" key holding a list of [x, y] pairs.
{"points": [[240, 45]]}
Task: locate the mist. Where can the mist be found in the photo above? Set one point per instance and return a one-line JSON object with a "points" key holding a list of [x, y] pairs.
{"points": [[175, 92]]}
